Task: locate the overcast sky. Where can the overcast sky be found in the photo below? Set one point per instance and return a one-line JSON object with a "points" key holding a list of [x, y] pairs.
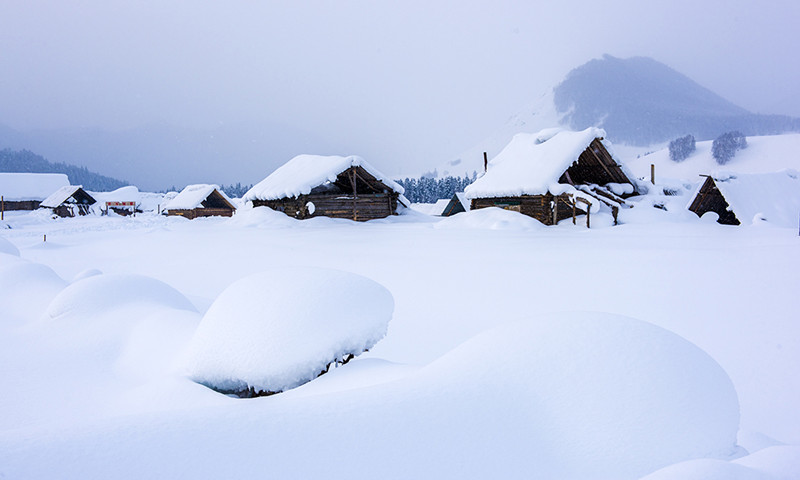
{"points": [[384, 79]]}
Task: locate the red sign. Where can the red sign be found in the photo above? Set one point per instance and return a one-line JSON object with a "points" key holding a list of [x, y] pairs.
{"points": [[120, 204]]}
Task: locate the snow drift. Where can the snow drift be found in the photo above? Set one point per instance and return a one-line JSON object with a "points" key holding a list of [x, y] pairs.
{"points": [[278, 329]]}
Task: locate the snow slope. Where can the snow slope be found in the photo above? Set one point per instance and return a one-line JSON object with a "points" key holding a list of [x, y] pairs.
{"points": [[486, 369], [762, 155]]}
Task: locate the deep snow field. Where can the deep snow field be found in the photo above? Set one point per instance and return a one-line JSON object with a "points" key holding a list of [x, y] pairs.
{"points": [[663, 348]]}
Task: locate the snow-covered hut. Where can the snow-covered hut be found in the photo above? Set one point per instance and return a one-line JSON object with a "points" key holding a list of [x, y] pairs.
{"points": [[122, 201], [25, 191], [332, 186], [200, 201], [745, 198], [553, 175], [69, 201], [459, 203]]}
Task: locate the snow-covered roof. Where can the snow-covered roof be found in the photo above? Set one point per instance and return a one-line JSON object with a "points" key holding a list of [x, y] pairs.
{"points": [[30, 186], [532, 163], [462, 197], [60, 196], [193, 196], [774, 197], [439, 206], [304, 172], [129, 193]]}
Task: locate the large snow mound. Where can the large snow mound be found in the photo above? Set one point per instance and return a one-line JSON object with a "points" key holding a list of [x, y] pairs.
{"points": [[99, 293], [605, 396], [25, 289], [278, 329]]}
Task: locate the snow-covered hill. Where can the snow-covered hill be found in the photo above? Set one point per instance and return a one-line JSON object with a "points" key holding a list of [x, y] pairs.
{"points": [[639, 102], [762, 155]]}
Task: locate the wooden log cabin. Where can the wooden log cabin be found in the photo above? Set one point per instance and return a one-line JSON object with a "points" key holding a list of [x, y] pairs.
{"points": [[69, 201], [332, 186], [554, 175], [747, 198], [26, 191], [200, 200]]}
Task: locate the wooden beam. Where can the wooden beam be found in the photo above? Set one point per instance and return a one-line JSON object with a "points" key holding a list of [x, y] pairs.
{"points": [[602, 164]]}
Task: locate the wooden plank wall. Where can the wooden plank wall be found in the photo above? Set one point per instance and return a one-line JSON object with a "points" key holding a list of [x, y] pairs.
{"points": [[536, 206], [362, 208]]}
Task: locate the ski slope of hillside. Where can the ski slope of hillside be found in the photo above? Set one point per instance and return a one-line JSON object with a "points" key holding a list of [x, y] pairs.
{"points": [[667, 346]]}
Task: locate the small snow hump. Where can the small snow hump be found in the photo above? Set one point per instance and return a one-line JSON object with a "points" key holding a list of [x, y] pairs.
{"points": [[278, 329]]}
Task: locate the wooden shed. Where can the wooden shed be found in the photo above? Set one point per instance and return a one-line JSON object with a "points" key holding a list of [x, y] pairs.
{"points": [[201, 200], [745, 198], [69, 201], [25, 191], [458, 204], [554, 175], [332, 186]]}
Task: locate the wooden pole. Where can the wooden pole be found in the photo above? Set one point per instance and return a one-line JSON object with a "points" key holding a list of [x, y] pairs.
{"points": [[653, 173], [485, 162], [2, 207]]}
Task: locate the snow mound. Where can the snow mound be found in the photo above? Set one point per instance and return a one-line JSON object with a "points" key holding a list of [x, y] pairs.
{"points": [[605, 396], [773, 463], [491, 218], [278, 329], [99, 293], [8, 247], [261, 217], [25, 288]]}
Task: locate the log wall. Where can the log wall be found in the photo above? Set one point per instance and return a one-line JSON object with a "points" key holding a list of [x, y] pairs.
{"points": [[536, 206], [360, 208]]}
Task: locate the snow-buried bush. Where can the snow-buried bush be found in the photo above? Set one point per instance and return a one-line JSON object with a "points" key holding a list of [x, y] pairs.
{"points": [[278, 329]]}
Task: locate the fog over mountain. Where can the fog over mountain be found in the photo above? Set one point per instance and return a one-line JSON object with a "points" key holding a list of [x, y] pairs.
{"points": [[640, 101]]}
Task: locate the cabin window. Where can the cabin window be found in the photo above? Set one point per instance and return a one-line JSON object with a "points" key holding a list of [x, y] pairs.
{"points": [[513, 206]]}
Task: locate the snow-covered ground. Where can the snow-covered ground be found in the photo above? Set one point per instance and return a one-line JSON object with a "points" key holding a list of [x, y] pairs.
{"points": [[514, 350]]}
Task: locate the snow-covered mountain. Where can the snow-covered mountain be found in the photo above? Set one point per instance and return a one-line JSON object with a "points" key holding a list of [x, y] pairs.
{"points": [[638, 101]]}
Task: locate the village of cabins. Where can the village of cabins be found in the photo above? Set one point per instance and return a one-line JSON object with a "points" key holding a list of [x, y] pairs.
{"points": [[553, 175]]}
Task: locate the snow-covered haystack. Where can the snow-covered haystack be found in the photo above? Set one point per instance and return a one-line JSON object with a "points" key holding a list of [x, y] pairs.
{"points": [[278, 329], [590, 395], [491, 218]]}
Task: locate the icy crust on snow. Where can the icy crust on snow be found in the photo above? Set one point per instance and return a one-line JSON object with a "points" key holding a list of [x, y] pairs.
{"points": [[192, 197], [30, 186], [278, 329], [605, 396], [304, 172], [532, 163], [754, 197]]}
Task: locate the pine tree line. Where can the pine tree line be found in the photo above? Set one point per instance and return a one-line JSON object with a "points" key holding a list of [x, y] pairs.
{"points": [[429, 190], [25, 161]]}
